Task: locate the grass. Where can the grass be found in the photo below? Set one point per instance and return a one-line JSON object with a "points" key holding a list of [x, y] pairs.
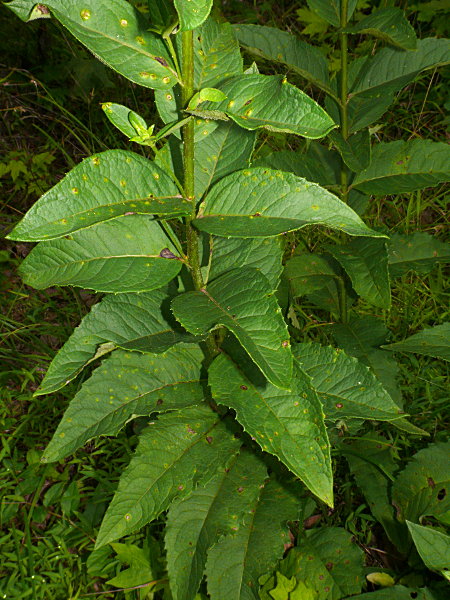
{"points": [[49, 515]]}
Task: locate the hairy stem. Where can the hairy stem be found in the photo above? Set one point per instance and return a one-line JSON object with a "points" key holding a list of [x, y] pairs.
{"points": [[344, 93]]}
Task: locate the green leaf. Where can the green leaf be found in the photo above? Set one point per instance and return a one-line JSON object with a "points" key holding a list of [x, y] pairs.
{"points": [[285, 423], [418, 251], [196, 446], [330, 10], [423, 487], [366, 263], [307, 273], [286, 589], [195, 523], [235, 562], [118, 35], [192, 13], [355, 150], [391, 68], [269, 101], [204, 95], [361, 337], [346, 387], [140, 570], [434, 341], [280, 46], [397, 592], [328, 561], [122, 255], [263, 254], [126, 385], [388, 24], [25, 11], [241, 300], [161, 13], [129, 321], [433, 546], [102, 187], [399, 167], [263, 203], [119, 116]]}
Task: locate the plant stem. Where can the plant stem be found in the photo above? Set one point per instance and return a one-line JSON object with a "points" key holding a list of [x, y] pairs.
{"points": [[344, 93], [342, 295]]}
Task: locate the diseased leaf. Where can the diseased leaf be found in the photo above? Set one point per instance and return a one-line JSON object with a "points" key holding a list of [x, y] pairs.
{"points": [[127, 384], [416, 251], [121, 255], [330, 10], [280, 46], [235, 562], [399, 167], [119, 115], [388, 24], [328, 561], [286, 423], [269, 101], [346, 387], [195, 523], [263, 254], [434, 341], [115, 32], [262, 203], [423, 487], [196, 446], [432, 545], [241, 300], [366, 263], [192, 13], [102, 187]]}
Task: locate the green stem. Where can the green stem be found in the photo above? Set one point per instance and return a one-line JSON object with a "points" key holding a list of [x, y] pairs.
{"points": [[342, 295], [344, 94]]}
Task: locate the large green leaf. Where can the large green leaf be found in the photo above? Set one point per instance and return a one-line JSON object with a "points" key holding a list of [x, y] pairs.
{"points": [[397, 592], [423, 487], [127, 384], [176, 453], [330, 10], [362, 337], [390, 25], [399, 167], [366, 263], [355, 150], [269, 101], [432, 545], [417, 251], [195, 523], [434, 341], [261, 203], [346, 387], [102, 187], [264, 254], [130, 321], [192, 13], [235, 562], [328, 561], [391, 68], [118, 35], [242, 301], [121, 255], [286, 423], [280, 46]]}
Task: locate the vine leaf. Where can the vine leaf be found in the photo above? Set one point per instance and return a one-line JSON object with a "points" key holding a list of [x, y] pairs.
{"points": [[241, 300], [115, 32], [388, 24], [192, 13], [429, 342], [260, 202], [121, 255], [195, 444], [195, 523], [127, 384], [416, 251], [129, 321], [275, 45], [346, 387], [102, 187], [366, 263], [269, 101], [399, 167], [236, 561], [286, 423]]}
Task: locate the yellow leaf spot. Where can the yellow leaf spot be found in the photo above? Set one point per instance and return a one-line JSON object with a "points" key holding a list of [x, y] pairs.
{"points": [[123, 22], [95, 161], [140, 40], [85, 14], [74, 190], [315, 207], [165, 79]]}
